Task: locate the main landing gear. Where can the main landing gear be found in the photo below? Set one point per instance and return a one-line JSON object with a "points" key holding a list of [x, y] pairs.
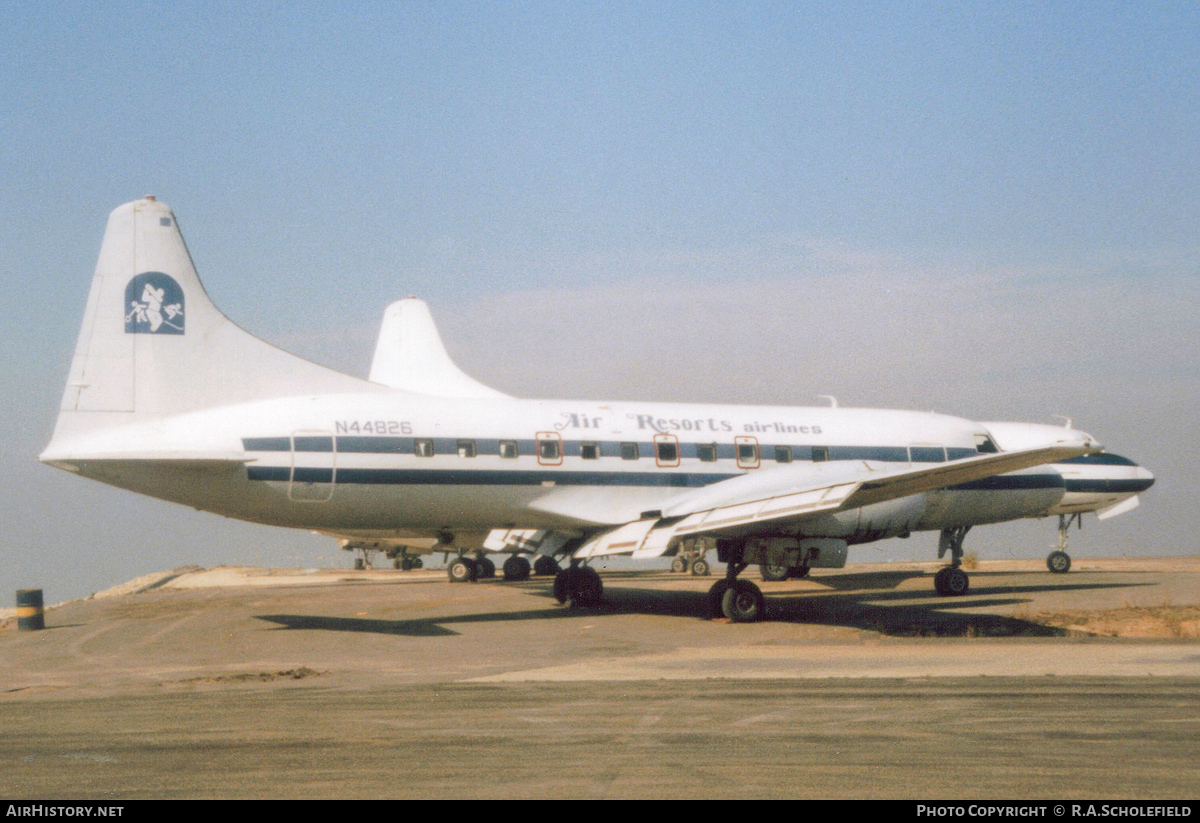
{"points": [[516, 567], [1058, 561], [692, 557], [739, 600], [578, 585], [776, 573], [952, 581], [464, 569], [545, 566]]}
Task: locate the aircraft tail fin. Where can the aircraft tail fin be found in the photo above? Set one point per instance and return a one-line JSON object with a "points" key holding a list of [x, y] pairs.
{"points": [[410, 355], [153, 344]]}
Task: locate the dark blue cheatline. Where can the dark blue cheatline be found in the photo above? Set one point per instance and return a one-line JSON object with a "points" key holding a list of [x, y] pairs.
{"points": [[490, 447]]}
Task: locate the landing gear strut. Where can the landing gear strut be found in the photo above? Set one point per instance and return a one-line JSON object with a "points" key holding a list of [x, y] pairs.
{"points": [[1058, 561], [952, 581], [739, 600]]}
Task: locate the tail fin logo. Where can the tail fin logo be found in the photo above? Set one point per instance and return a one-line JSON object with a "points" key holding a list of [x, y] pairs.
{"points": [[154, 302]]}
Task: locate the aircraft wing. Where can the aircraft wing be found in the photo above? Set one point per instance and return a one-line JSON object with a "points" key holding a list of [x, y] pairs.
{"points": [[780, 499]]}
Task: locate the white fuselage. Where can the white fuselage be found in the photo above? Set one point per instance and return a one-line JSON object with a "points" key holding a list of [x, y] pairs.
{"points": [[403, 464]]}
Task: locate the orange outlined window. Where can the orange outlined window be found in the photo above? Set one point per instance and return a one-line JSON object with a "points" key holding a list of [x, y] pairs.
{"points": [[549, 448], [666, 450], [747, 452]]}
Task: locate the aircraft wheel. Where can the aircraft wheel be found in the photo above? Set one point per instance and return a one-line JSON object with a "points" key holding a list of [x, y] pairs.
{"points": [[590, 589], [1059, 562], [416, 563], [678, 565], [400, 564], [462, 570], [715, 595], [359, 564], [951, 582], [486, 568], [798, 572], [516, 568], [772, 573], [743, 602], [578, 584], [700, 567], [545, 566]]}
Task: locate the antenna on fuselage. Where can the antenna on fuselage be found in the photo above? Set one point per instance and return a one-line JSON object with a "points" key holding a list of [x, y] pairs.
{"points": [[833, 404], [1070, 424]]}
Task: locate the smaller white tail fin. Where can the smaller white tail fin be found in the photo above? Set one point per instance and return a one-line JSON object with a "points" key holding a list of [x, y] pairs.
{"points": [[409, 355], [153, 344]]}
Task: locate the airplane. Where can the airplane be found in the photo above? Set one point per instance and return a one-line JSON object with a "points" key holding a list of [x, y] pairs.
{"points": [[169, 398]]}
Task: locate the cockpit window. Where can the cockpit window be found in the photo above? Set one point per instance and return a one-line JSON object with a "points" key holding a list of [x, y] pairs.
{"points": [[985, 445]]}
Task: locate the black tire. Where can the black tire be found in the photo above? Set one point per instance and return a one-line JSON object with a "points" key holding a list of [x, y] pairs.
{"points": [[678, 565], [798, 572], [589, 589], [1058, 562], [487, 568], [545, 566], [951, 582], [700, 567], [417, 563], [563, 585], [715, 595], [516, 568], [359, 564], [743, 602], [578, 585], [773, 573], [462, 570]]}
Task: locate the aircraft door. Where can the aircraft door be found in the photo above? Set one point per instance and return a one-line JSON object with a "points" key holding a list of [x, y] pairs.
{"points": [[314, 467]]}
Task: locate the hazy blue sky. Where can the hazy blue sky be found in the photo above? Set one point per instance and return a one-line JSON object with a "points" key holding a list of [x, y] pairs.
{"points": [[987, 209]]}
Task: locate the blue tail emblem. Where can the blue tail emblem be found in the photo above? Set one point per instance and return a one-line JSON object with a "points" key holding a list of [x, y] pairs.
{"points": [[155, 304]]}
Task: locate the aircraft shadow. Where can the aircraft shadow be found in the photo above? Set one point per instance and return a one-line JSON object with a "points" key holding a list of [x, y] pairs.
{"points": [[868, 602], [420, 627], [878, 607]]}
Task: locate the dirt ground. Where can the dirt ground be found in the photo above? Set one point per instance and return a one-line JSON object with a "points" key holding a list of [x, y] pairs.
{"points": [[238, 682]]}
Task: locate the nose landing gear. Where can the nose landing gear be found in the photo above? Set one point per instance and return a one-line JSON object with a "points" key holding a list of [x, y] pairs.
{"points": [[1058, 561], [952, 581]]}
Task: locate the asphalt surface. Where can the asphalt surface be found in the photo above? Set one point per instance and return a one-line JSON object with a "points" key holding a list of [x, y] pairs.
{"points": [[307, 683]]}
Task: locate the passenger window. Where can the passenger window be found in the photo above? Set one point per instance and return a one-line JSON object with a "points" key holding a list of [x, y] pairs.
{"points": [[508, 448], [466, 448], [783, 454], [629, 451], [820, 454], [549, 449], [747, 453], [589, 451], [707, 452], [423, 447], [667, 452]]}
